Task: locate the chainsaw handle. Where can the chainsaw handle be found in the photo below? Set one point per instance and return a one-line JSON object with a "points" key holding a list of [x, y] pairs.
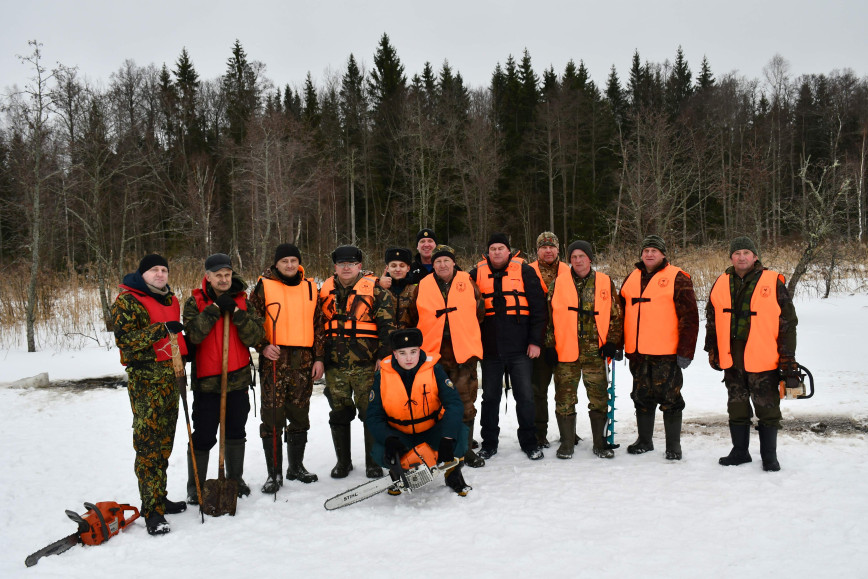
{"points": [[126, 508], [804, 372], [105, 529]]}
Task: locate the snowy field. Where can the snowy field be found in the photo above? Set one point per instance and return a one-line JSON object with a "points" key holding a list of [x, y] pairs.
{"points": [[634, 516]]}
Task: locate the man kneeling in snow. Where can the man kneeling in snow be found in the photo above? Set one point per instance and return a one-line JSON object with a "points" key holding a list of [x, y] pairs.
{"points": [[412, 402]]}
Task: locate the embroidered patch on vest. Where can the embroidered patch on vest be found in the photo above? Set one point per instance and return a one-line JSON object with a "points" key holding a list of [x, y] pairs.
{"points": [[663, 282], [766, 291]]}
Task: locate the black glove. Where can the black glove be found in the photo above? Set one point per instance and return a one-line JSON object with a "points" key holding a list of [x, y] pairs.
{"points": [[174, 327], [226, 303], [550, 355], [683, 362], [609, 350], [394, 450], [788, 367], [446, 452]]}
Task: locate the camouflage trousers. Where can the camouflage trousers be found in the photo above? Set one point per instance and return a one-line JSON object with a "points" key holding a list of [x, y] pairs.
{"points": [[289, 405], [656, 380], [761, 388], [154, 401], [464, 378], [590, 369], [347, 390]]}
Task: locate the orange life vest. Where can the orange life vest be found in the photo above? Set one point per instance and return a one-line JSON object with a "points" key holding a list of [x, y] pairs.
{"points": [[459, 308], [563, 268], [419, 411], [209, 353], [512, 288], [158, 312], [565, 313], [761, 349], [357, 322], [294, 325], [650, 320]]}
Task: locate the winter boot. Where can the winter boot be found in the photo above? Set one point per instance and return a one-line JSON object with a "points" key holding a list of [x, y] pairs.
{"points": [[472, 459], [598, 430], [235, 464], [455, 480], [769, 448], [372, 469], [672, 426], [274, 469], [740, 434], [567, 428], [157, 524], [645, 426], [341, 436], [295, 444], [202, 467]]}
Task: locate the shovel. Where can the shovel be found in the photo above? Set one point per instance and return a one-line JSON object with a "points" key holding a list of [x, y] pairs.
{"points": [[181, 383], [221, 495]]}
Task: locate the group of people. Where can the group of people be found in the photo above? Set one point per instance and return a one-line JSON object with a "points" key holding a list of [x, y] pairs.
{"points": [[401, 350]]}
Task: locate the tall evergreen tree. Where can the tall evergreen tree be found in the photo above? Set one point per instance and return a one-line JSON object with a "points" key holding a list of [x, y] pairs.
{"points": [[242, 96], [679, 85]]}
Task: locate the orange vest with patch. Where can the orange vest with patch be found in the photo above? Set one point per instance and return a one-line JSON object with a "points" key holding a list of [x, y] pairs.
{"points": [[761, 350], [650, 320], [459, 308], [295, 317], [357, 322], [419, 411], [565, 313]]}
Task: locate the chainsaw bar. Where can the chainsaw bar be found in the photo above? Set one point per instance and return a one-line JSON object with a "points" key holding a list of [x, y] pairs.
{"points": [[56, 548], [411, 480]]}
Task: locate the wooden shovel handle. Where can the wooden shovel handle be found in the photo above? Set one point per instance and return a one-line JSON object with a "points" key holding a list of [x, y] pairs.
{"points": [[223, 380]]}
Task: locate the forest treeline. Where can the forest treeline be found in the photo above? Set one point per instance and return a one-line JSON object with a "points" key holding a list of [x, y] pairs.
{"points": [[95, 174]]}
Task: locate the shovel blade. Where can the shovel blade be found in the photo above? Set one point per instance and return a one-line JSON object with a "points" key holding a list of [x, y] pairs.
{"points": [[220, 497]]}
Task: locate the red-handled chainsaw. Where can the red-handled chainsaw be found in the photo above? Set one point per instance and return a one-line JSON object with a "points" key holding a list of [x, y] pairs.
{"points": [[100, 522]]}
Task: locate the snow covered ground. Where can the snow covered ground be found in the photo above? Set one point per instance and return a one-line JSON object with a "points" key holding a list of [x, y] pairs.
{"points": [[634, 516]]}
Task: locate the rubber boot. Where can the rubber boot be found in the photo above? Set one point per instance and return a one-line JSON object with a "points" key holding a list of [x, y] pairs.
{"points": [[672, 425], [295, 445], [341, 437], [740, 434], [455, 480], [472, 459], [567, 428], [275, 474], [598, 430], [235, 464], [769, 448], [372, 469], [202, 468], [645, 426]]}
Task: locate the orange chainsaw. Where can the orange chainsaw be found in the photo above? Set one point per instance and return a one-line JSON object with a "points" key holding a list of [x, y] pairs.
{"points": [[100, 522]]}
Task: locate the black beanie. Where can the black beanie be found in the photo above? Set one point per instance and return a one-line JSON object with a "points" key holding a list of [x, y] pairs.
{"points": [[217, 262], [498, 238], [406, 338], [152, 260], [582, 245], [656, 242], [742, 243], [286, 250], [398, 254], [426, 234]]}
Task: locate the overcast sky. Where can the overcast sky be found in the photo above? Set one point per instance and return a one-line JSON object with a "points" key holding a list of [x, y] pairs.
{"points": [[293, 37]]}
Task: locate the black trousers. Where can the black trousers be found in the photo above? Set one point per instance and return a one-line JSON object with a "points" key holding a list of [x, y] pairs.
{"points": [[206, 417]]}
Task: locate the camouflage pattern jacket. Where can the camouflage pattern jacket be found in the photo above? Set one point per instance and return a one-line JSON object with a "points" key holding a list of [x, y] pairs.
{"points": [[197, 325]]}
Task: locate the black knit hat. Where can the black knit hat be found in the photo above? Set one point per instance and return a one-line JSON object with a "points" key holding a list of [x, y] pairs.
{"points": [[742, 243], [406, 338], [347, 254], [286, 250], [443, 251], [398, 254], [217, 262], [426, 234], [152, 260], [582, 245], [656, 242], [498, 238]]}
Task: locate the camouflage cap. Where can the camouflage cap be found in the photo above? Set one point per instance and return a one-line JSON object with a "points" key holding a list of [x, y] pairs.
{"points": [[656, 242], [443, 251], [547, 238]]}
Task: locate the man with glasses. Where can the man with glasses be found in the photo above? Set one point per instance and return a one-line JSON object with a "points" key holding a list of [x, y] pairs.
{"points": [[358, 316]]}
